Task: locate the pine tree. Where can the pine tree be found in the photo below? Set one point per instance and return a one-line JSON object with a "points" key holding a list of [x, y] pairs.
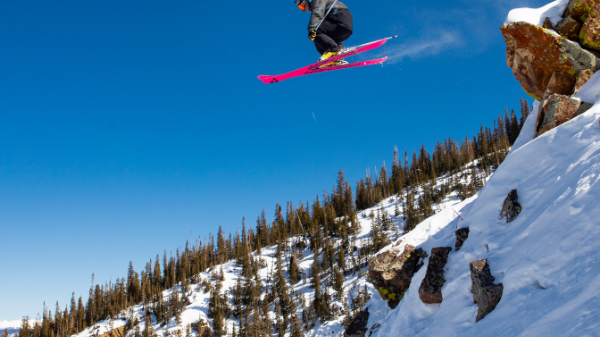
{"points": [[515, 129], [294, 269], [524, 111], [295, 322], [338, 284]]}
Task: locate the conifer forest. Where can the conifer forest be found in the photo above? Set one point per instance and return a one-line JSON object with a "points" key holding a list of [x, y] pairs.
{"points": [[327, 226]]}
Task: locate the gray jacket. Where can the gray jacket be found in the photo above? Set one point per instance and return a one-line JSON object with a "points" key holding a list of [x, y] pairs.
{"points": [[319, 8]]}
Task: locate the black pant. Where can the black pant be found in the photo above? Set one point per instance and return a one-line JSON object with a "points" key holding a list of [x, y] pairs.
{"points": [[336, 29]]}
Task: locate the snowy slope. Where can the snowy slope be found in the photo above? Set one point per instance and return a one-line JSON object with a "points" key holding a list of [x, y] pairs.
{"points": [[434, 227], [548, 258]]}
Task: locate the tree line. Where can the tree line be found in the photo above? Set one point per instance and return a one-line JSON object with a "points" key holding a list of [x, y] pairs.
{"points": [[327, 226]]}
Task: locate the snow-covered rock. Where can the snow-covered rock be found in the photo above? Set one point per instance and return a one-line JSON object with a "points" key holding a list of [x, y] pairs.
{"points": [[547, 259], [536, 16]]}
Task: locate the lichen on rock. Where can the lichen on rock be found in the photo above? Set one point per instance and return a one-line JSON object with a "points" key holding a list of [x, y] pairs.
{"points": [[569, 28], [536, 54], [589, 36], [391, 273], [557, 110]]}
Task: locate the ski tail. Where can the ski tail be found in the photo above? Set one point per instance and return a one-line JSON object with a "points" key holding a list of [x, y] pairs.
{"points": [[274, 79], [321, 66]]}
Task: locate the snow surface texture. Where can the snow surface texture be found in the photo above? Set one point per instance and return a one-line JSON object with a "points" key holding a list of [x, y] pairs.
{"points": [[536, 16], [548, 258]]}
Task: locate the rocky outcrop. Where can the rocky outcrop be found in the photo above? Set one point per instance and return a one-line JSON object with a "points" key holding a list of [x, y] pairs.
{"points": [[569, 28], [430, 290], [358, 326], [590, 33], [486, 294], [557, 110], [552, 62], [391, 273], [511, 207], [461, 235], [582, 79], [581, 9], [535, 54]]}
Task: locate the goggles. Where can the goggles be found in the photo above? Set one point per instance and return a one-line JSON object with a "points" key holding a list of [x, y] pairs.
{"points": [[303, 5]]}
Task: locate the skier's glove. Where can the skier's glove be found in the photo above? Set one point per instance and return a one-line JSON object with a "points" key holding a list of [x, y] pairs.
{"points": [[312, 35]]}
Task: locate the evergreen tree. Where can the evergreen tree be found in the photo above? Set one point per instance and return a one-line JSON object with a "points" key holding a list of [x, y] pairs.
{"points": [[515, 129], [295, 322]]}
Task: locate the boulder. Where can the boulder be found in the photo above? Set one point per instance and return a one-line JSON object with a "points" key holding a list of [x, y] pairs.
{"points": [[391, 273], [582, 77], [535, 54], [569, 28], [548, 24], [358, 326], [461, 235], [589, 36], [430, 290], [486, 294], [560, 83], [580, 9], [511, 207], [556, 110]]}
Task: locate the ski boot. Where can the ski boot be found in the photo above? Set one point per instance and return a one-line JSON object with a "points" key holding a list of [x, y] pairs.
{"points": [[330, 55]]}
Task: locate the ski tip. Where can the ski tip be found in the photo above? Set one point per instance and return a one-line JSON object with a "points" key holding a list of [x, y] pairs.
{"points": [[268, 79]]}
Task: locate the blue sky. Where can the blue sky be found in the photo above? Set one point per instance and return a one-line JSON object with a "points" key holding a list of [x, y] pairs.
{"points": [[126, 125]]}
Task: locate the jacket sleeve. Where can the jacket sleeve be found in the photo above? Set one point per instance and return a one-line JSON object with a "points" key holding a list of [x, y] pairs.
{"points": [[318, 11]]}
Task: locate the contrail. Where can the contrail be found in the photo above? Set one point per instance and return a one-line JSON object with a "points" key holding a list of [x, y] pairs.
{"points": [[315, 118], [420, 48]]}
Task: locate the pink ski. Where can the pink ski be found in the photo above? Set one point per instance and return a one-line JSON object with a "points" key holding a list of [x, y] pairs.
{"points": [[321, 67], [303, 71]]}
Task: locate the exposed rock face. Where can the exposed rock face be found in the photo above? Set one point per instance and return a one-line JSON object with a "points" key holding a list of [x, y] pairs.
{"points": [[557, 110], [535, 54], [358, 327], [580, 9], [461, 235], [391, 273], [511, 207], [569, 28], [486, 294], [548, 24], [590, 33], [560, 83], [582, 78], [430, 290]]}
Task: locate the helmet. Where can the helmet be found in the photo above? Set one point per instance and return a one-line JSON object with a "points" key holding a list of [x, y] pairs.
{"points": [[302, 4]]}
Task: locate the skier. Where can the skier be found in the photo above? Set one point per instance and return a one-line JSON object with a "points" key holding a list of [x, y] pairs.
{"points": [[328, 31]]}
